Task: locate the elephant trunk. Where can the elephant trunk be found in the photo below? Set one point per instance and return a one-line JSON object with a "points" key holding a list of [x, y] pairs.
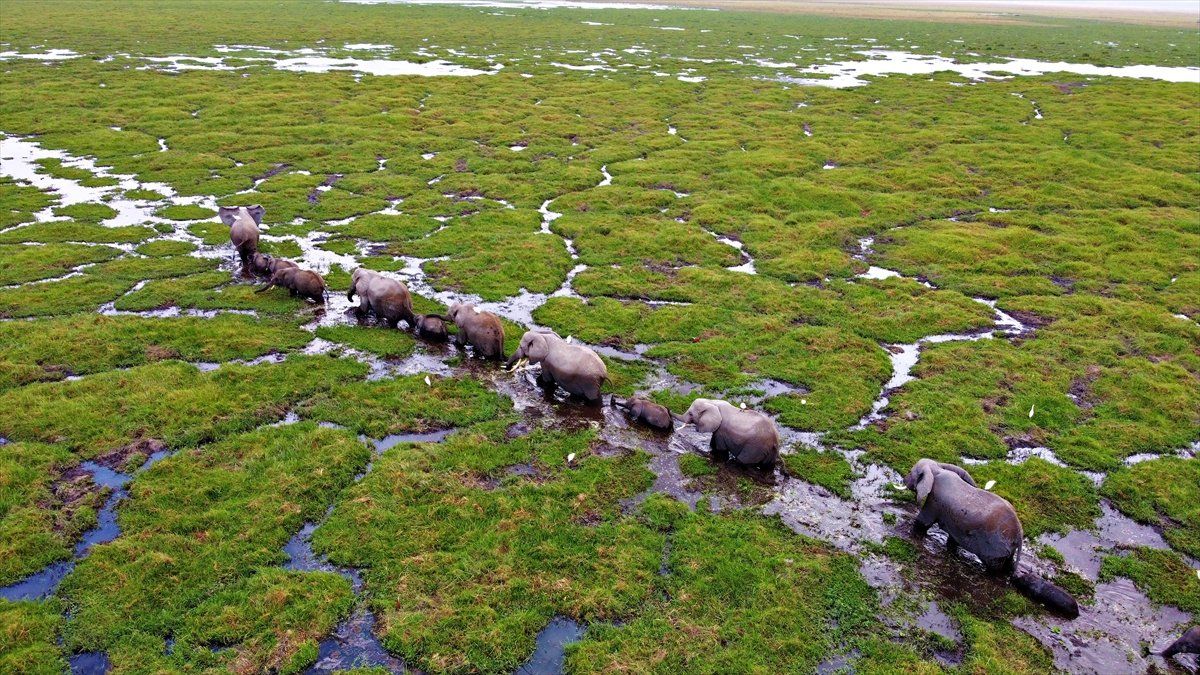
{"points": [[265, 288], [613, 402], [680, 419], [512, 359], [1046, 593]]}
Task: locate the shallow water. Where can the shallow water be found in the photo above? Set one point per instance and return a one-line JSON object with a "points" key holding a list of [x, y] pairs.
{"points": [[549, 653]]}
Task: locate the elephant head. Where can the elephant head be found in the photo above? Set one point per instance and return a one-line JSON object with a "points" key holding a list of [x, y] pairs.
{"points": [[705, 414], [535, 346], [920, 478], [230, 214]]}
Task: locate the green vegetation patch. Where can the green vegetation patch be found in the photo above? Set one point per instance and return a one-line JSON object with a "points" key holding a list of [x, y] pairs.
{"points": [[828, 469], [66, 231], [385, 342], [1164, 576], [51, 349], [382, 407], [44, 507], [1164, 493], [22, 264], [185, 212], [172, 401], [29, 637], [201, 533], [166, 247]]}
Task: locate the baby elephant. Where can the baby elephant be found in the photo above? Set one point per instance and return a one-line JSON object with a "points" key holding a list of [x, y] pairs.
{"points": [[388, 298], [647, 412], [299, 282], [750, 437], [482, 330], [243, 222], [981, 522], [267, 265], [1188, 643], [575, 368], [432, 327]]}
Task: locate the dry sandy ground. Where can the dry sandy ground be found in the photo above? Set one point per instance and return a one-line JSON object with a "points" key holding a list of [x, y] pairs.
{"points": [[976, 11]]}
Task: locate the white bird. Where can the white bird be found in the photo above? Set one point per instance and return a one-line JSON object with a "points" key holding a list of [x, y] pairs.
{"points": [[1031, 411], [428, 381], [743, 405], [990, 484], [570, 458], [803, 401]]}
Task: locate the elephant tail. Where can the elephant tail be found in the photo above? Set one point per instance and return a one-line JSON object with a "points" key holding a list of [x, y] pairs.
{"points": [[1046, 593]]}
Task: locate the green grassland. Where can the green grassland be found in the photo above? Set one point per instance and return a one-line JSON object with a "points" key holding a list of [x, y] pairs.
{"points": [[1070, 201]]}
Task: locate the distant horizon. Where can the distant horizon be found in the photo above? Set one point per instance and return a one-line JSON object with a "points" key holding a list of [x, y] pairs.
{"points": [[1180, 6]]}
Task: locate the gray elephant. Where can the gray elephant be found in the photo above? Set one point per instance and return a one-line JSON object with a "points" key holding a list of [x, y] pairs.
{"points": [[980, 522], [432, 327], [267, 265], [749, 436], [1188, 643], [647, 412], [303, 283], [243, 222], [388, 298], [482, 330], [575, 368]]}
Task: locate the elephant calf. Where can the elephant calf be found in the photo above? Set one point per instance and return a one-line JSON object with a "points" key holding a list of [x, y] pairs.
{"points": [[482, 330], [243, 222], [575, 368], [267, 265], [981, 522], [303, 283], [388, 298], [749, 436], [432, 327], [647, 412]]}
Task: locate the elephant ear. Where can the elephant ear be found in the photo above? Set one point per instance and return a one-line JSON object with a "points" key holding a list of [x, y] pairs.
{"points": [[538, 347], [708, 420], [962, 473], [924, 484], [228, 214], [256, 212]]}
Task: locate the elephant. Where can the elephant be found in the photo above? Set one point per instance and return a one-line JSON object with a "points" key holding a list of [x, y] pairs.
{"points": [[432, 327], [303, 283], [575, 368], [748, 435], [388, 298], [267, 265], [482, 330], [1188, 643], [243, 222], [647, 412], [981, 522]]}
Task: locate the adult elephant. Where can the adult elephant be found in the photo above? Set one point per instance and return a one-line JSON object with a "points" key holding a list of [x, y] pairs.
{"points": [[575, 368], [981, 522], [243, 222], [749, 436], [482, 330], [388, 298]]}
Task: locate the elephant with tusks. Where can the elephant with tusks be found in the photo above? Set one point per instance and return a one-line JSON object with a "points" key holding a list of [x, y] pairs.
{"points": [[574, 367]]}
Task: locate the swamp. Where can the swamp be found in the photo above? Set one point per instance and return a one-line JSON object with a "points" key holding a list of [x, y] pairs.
{"points": [[902, 238]]}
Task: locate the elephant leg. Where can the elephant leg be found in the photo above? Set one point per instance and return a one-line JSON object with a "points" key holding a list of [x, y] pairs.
{"points": [[720, 453], [924, 520]]}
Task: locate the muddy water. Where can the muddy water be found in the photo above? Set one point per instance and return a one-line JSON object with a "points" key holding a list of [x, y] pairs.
{"points": [[549, 653]]}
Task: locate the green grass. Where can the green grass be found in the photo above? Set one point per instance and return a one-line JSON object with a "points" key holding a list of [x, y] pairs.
{"points": [[827, 469], [22, 264], [51, 349], [1164, 493], [29, 637], [202, 532], [405, 404], [1083, 224], [171, 401], [1161, 575], [41, 513]]}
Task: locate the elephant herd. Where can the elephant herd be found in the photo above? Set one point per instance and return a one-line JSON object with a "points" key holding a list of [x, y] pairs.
{"points": [[973, 518]]}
